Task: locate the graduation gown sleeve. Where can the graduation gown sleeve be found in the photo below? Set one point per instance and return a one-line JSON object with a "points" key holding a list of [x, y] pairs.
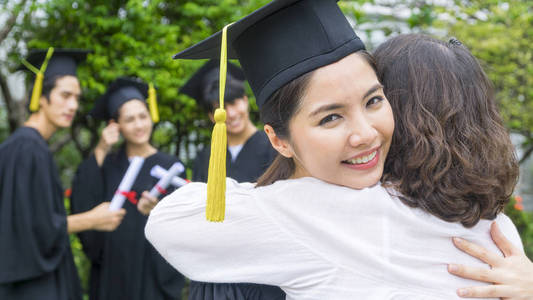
{"points": [[33, 224], [88, 192]]}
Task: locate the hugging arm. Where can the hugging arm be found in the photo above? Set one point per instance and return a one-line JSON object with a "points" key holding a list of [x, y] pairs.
{"points": [[511, 275]]}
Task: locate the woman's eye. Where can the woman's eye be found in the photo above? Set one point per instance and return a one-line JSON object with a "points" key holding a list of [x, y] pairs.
{"points": [[374, 100], [329, 118]]}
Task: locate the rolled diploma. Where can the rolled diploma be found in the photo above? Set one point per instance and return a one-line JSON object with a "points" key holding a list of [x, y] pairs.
{"points": [[126, 183], [159, 172], [163, 183]]}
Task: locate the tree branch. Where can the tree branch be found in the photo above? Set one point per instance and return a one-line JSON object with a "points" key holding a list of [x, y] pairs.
{"points": [[526, 155], [11, 21]]}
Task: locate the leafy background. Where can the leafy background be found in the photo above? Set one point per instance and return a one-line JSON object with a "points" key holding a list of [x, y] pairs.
{"points": [[139, 37]]}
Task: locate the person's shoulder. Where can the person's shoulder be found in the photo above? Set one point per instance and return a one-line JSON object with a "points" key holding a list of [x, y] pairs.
{"points": [[25, 142], [260, 137], [166, 158]]}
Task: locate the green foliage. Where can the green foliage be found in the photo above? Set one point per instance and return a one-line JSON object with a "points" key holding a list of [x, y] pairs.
{"points": [[524, 223], [139, 37], [500, 35]]}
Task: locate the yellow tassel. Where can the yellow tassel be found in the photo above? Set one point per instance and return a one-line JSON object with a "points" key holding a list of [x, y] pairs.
{"points": [[38, 84], [152, 103], [216, 178], [36, 93]]}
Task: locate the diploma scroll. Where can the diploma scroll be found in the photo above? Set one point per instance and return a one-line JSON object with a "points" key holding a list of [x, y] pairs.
{"points": [[163, 183], [160, 172], [126, 183]]}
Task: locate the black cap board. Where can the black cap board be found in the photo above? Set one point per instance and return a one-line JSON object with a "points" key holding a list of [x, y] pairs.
{"points": [[120, 91], [63, 61], [282, 41], [205, 76]]}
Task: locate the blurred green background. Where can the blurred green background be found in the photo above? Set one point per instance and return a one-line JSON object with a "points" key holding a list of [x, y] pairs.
{"points": [[139, 37]]}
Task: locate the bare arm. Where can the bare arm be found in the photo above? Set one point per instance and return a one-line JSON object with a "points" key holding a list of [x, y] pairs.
{"points": [[99, 218], [511, 275]]}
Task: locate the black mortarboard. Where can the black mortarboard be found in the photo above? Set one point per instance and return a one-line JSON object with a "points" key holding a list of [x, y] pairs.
{"points": [[49, 63], [63, 61], [205, 76], [282, 41], [119, 92]]}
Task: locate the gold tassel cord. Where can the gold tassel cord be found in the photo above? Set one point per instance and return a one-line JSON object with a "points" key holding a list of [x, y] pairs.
{"points": [[216, 178], [152, 103], [38, 84]]}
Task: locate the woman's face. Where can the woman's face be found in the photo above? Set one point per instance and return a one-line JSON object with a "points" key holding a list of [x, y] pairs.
{"points": [[343, 128], [134, 122]]}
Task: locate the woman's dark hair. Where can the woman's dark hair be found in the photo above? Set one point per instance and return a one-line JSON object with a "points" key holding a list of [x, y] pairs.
{"points": [[234, 90], [450, 154], [277, 112]]}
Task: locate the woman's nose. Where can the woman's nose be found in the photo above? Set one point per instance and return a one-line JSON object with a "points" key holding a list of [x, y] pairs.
{"points": [[363, 132]]}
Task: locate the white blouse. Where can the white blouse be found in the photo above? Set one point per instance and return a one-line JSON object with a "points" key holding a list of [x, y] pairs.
{"points": [[317, 241]]}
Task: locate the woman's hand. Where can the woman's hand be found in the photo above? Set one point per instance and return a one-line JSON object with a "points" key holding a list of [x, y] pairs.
{"points": [[146, 203], [511, 275], [104, 219], [110, 136]]}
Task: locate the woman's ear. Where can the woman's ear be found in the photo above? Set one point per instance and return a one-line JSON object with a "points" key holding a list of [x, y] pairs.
{"points": [[281, 145]]}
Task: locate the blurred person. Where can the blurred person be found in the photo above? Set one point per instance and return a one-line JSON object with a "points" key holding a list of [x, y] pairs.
{"points": [[123, 264], [250, 154], [35, 256]]}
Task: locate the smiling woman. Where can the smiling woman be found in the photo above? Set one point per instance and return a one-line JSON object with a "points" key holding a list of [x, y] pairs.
{"points": [[124, 258], [334, 232], [343, 115]]}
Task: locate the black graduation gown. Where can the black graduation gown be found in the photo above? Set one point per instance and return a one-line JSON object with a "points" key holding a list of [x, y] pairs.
{"points": [[124, 265], [254, 158], [35, 257]]}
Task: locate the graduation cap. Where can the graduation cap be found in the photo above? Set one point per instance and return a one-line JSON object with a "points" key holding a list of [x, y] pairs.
{"points": [[206, 76], [275, 45], [122, 90], [50, 63], [282, 41]]}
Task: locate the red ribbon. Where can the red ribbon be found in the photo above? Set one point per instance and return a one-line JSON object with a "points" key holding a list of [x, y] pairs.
{"points": [[161, 190], [130, 195]]}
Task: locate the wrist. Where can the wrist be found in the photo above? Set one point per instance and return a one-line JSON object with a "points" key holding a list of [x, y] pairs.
{"points": [[102, 147], [92, 220]]}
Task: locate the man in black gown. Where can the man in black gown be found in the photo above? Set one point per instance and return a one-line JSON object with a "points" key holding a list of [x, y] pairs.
{"points": [[35, 256], [249, 155]]}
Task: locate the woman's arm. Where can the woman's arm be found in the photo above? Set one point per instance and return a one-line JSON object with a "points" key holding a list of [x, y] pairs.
{"points": [[511, 275], [246, 247], [99, 218]]}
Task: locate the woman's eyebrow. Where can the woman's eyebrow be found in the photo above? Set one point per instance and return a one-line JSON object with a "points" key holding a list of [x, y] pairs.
{"points": [[373, 89], [327, 107]]}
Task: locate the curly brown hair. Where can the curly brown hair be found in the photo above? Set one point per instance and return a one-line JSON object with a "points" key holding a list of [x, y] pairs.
{"points": [[450, 154]]}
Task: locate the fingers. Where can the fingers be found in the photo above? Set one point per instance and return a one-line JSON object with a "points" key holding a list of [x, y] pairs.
{"points": [[488, 291], [479, 274], [121, 213], [502, 242], [477, 251], [149, 197]]}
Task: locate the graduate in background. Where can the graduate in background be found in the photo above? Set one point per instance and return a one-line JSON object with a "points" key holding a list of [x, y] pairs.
{"points": [[249, 151], [35, 256], [249, 155], [123, 264]]}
